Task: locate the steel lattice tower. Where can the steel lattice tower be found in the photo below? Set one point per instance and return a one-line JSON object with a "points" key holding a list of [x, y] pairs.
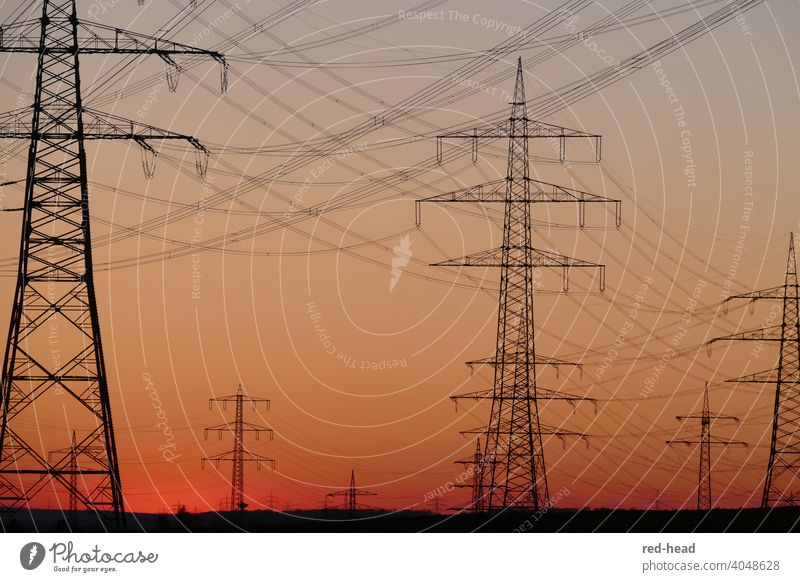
{"points": [[705, 440], [513, 465], [782, 481], [238, 456], [350, 495], [71, 454], [475, 463], [55, 292]]}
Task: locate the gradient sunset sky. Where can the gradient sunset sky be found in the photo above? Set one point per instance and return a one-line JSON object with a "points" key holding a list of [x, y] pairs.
{"points": [[206, 284]]}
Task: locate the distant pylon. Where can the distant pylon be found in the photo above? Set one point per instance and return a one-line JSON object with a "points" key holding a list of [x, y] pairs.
{"points": [[705, 500], [513, 465], [54, 356], [69, 459], [238, 455], [350, 497], [475, 466], [782, 480]]}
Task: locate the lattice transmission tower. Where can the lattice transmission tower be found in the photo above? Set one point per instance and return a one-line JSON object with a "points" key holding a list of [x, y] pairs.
{"points": [[513, 464], [54, 355], [474, 465], [705, 501], [238, 455], [68, 457], [782, 480], [350, 497]]}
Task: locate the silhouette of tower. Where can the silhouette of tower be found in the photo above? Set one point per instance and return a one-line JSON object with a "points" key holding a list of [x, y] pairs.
{"points": [[513, 464], [69, 457], [782, 481], [705, 440], [54, 356], [350, 497], [238, 455], [475, 464]]}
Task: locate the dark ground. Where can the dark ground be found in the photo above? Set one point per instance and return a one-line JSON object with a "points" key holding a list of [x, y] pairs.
{"points": [[786, 519]]}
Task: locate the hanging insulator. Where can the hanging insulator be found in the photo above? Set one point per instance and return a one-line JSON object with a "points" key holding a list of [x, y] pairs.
{"points": [[223, 76], [148, 160], [201, 162], [173, 73]]}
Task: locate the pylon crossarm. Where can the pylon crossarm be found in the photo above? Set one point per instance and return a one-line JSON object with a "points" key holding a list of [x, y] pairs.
{"points": [[712, 439], [230, 427], [546, 430], [773, 293], [21, 36], [725, 442], [767, 334], [525, 257], [710, 415], [470, 431], [509, 130], [517, 257], [233, 397], [683, 442], [95, 38], [541, 394], [539, 361], [364, 492], [97, 125], [248, 457], [764, 377], [250, 427], [101, 38], [348, 491], [536, 129], [541, 192]]}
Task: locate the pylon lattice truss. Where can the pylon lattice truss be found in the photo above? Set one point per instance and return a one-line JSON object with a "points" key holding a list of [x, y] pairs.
{"points": [[512, 468], [238, 455], [782, 479], [705, 500], [54, 358], [350, 497]]}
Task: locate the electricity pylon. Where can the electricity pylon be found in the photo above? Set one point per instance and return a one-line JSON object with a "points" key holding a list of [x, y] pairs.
{"points": [[238, 455], [54, 347], [513, 465], [350, 497], [782, 481], [704, 499], [69, 458], [475, 464]]}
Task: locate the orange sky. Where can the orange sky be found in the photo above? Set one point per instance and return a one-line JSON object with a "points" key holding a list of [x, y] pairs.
{"points": [[300, 308]]}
